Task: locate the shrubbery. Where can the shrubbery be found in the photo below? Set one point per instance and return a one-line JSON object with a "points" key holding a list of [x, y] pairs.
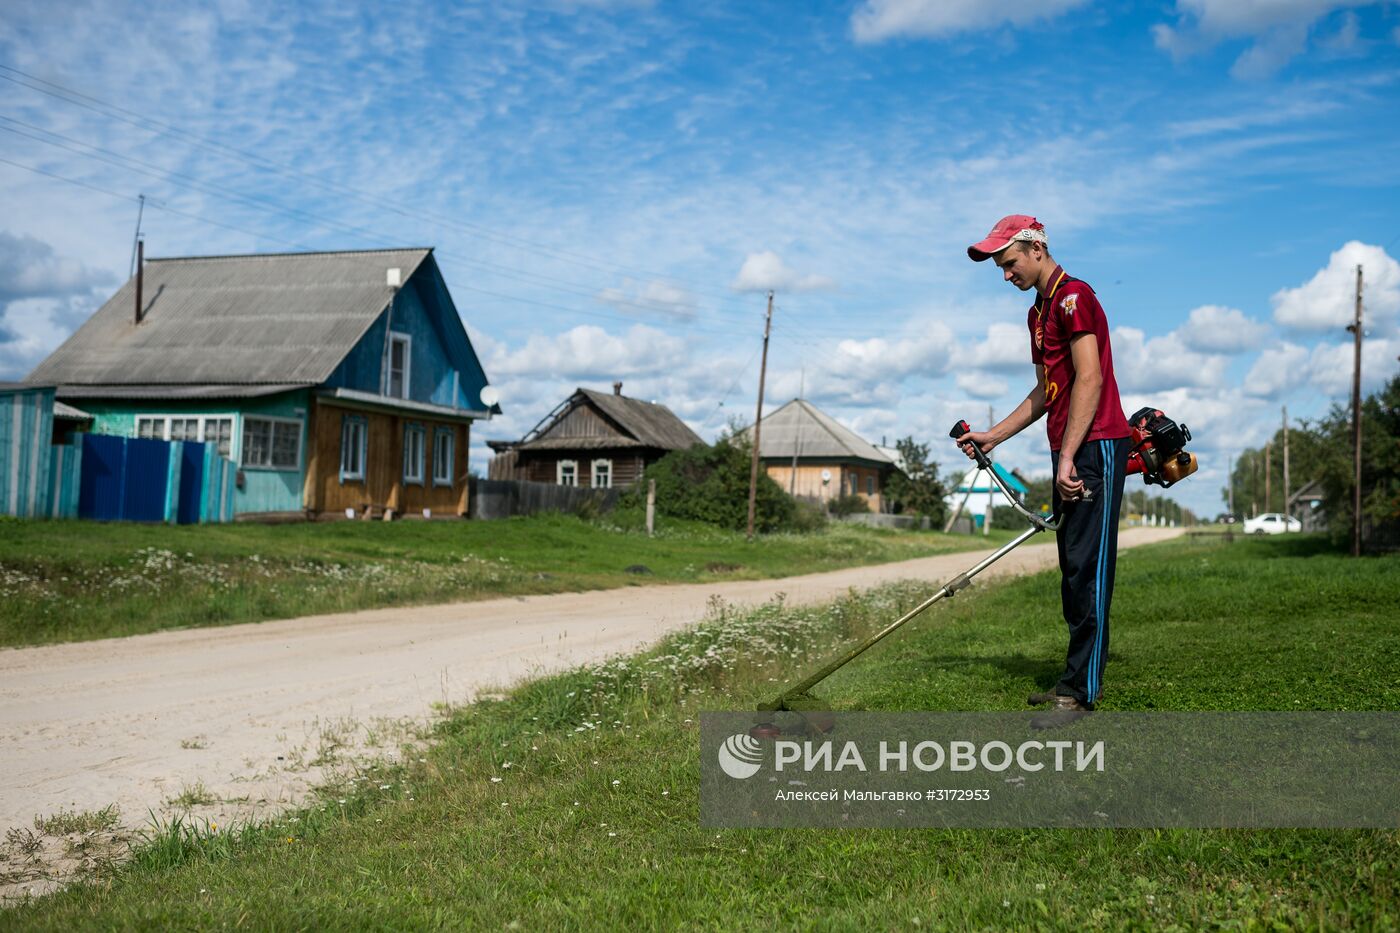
{"points": [[711, 484]]}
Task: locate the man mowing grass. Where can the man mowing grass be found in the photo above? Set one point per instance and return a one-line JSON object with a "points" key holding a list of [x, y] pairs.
{"points": [[1088, 442]]}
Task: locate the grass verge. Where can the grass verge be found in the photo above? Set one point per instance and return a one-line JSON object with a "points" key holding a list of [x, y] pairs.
{"points": [[74, 581], [573, 803]]}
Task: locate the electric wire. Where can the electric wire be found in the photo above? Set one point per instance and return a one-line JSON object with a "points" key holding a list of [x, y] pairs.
{"points": [[144, 122], [127, 163]]}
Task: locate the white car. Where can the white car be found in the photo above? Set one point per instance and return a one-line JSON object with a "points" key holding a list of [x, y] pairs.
{"points": [[1271, 523]]}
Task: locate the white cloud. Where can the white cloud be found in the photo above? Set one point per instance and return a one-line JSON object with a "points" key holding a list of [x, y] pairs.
{"points": [[1216, 329], [1327, 301], [1330, 367], [1279, 29], [1277, 370], [588, 352], [876, 20], [981, 385], [654, 298], [1158, 364], [29, 268], [1006, 348], [766, 271]]}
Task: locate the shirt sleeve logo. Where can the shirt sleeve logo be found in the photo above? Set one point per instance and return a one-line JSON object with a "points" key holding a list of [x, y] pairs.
{"points": [[1069, 303]]}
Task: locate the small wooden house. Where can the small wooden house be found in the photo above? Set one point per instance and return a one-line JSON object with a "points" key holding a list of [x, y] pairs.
{"points": [[593, 439], [337, 383], [814, 456]]}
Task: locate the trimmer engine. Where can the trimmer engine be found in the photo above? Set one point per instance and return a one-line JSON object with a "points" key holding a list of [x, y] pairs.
{"points": [[1157, 451]]}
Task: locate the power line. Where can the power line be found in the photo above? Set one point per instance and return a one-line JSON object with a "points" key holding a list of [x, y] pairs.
{"points": [[127, 163], [142, 121]]}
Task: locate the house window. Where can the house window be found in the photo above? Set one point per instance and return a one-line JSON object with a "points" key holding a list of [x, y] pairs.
{"points": [[211, 429], [184, 429], [271, 443], [414, 438], [870, 485], [443, 441], [855, 483], [602, 474], [352, 448], [218, 431], [568, 473], [399, 345]]}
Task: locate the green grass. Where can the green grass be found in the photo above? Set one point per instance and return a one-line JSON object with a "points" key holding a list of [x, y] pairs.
{"points": [[73, 581], [593, 822]]}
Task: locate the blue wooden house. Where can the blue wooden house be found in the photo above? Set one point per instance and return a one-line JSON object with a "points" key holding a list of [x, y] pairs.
{"points": [[337, 383]]}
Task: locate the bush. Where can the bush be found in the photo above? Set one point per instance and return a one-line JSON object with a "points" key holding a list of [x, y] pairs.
{"points": [[849, 504], [711, 484]]}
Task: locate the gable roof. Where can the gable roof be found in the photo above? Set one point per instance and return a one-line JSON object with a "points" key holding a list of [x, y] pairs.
{"points": [[647, 424], [974, 481], [273, 318], [800, 428], [653, 424]]}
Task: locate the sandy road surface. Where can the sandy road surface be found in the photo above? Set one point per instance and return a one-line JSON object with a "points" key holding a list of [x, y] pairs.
{"points": [[246, 709]]}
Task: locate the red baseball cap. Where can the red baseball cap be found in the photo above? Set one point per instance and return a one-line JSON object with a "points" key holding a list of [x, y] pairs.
{"points": [[1007, 231]]}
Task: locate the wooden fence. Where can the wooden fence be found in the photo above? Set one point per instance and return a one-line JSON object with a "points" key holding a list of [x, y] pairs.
{"points": [[495, 498]]}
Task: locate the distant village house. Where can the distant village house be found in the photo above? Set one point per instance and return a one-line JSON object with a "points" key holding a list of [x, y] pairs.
{"points": [[813, 456], [593, 439]]}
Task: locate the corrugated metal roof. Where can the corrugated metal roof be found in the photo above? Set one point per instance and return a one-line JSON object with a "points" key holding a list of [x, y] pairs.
{"points": [[61, 410], [800, 428], [286, 318], [177, 391]]}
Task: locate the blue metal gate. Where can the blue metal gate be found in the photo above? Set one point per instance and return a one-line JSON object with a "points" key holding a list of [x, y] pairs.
{"points": [[191, 483]]}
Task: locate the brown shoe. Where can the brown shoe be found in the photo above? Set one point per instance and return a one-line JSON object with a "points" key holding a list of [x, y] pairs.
{"points": [[1040, 699], [1064, 712]]}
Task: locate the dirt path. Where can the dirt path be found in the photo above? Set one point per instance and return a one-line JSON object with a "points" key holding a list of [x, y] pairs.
{"points": [[253, 713]]}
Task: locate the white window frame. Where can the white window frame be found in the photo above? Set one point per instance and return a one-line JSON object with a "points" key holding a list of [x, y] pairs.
{"points": [[407, 340], [347, 422], [444, 439], [593, 475], [163, 421], [559, 472], [269, 466], [414, 430]]}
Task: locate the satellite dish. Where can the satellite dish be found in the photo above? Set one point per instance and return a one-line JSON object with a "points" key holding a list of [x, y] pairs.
{"points": [[826, 477], [489, 396]]}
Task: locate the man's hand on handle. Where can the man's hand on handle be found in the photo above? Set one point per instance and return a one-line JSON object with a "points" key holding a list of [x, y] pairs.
{"points": [[982, 439], [1067, 481]]}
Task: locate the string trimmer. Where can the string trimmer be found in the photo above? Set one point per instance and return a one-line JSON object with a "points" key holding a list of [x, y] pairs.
{"points": [[1156, 453]]}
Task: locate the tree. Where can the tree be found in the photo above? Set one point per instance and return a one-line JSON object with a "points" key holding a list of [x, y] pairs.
{"points": [[1322, 451], [917, 490], [711, 484]]}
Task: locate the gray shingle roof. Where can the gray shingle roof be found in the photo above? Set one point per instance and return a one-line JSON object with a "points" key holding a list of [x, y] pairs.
{"points": [[286, 318], [800, 427]]}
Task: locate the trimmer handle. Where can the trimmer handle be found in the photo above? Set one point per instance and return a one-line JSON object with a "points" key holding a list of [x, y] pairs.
{"points": [[961, 428]]}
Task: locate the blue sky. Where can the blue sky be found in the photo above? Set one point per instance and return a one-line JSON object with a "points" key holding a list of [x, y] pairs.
{"points": [[611, 187]]}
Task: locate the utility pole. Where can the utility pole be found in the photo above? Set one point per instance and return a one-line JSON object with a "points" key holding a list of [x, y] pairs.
{"points": [[1355, 328], [797, 446], [1268, 475], [140, 209], [758, 418], [1287, 489], [1230, 484]]}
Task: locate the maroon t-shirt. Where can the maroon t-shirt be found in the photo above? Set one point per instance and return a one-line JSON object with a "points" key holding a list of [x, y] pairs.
{"points": [[1070, 308]]}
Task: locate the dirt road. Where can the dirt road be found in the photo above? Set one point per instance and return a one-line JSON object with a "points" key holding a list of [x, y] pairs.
{"points": [[251, 713]]}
